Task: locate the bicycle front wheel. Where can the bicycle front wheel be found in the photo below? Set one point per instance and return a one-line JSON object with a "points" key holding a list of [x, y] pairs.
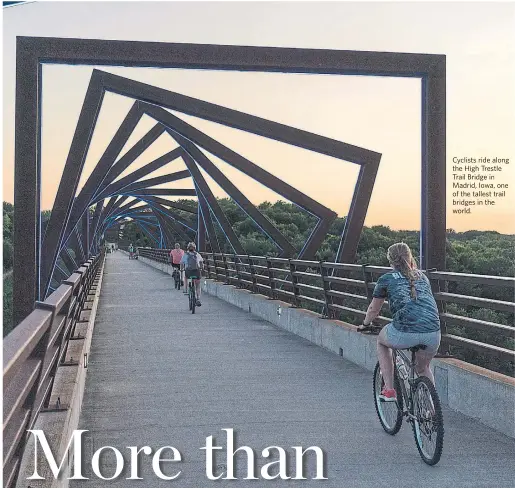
{"points": [[428, 421], [389, 413]]}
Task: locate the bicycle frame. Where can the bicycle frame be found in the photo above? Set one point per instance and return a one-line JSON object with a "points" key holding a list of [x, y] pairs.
{"points": [[407, 384]]}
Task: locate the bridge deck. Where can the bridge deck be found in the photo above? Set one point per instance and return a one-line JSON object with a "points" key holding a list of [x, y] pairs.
{"points": [[159, 376]]}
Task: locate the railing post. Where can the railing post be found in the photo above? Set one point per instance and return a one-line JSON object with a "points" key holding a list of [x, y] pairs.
{"points": [[238, 276], [270, 278], [367, 277], [327, 287], [253, 274], [208, 268], [294, 282], [227, 279], [445, 349]]}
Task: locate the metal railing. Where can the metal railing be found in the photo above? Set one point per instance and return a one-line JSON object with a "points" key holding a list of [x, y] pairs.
{"points": [[341, 288], [33, 351]]}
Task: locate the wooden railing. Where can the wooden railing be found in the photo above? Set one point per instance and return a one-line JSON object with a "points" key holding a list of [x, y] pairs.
{"points": [[340, 288], [33, 351]]}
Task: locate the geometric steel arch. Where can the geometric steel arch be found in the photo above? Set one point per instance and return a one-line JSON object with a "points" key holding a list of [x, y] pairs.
{"points": [[71, 216], [190, 141]]}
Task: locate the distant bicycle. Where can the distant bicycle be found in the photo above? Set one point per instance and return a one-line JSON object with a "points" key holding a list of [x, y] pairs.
{"points": [[177, 278], [192, 296], [418, 400]]}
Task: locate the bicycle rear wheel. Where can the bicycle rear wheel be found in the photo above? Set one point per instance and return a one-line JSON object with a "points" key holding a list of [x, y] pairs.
{"points": [[428, 422], [193, 299], [389, 413]]}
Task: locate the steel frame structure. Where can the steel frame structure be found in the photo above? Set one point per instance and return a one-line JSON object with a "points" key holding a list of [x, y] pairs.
{"points": [[35, 259]]}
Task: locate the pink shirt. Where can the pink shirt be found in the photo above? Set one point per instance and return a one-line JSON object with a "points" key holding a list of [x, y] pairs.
{"points": [[176, 255]]}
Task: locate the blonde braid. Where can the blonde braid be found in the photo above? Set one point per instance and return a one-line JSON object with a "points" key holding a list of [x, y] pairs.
{"points": [[400, 257]]}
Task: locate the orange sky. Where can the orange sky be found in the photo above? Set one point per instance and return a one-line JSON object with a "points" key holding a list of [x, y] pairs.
{"points": [[381, 114]]}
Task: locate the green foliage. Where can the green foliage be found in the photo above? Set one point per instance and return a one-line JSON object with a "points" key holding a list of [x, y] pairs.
{"points": [[476, 252]]}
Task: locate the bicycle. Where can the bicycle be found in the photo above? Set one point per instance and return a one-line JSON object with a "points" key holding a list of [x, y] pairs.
{"points": [[417, 400], [177, 278], [192, 295]]}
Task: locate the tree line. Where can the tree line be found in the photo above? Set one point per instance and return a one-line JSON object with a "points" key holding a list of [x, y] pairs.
{"points": [[475, 252]]}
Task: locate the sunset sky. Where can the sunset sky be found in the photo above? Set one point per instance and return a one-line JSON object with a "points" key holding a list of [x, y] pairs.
{"points": [[381, 114]]}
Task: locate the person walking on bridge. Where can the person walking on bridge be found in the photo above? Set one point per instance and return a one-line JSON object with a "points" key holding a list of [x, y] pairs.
{"points": [[192, 264], [175, 258], [415, 316]]}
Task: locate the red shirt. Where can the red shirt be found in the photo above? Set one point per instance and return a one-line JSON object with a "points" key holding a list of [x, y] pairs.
{"points": [[176, 256]]}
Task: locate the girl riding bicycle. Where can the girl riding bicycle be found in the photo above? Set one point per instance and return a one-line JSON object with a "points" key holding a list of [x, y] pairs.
{"points": [[415, 316], [192, 263]]}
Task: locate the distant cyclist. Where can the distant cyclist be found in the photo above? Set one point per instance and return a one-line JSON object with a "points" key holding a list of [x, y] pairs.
{"points": [[175, 258], [192, 264], [415, 316]]}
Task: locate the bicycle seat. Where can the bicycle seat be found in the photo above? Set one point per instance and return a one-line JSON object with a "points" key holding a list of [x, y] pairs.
{"points": [[416, 348]]}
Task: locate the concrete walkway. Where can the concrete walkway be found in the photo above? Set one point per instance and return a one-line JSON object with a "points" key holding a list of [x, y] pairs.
{"points": [[160, 376]]}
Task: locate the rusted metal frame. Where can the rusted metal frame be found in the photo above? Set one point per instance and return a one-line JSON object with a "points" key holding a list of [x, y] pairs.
{"points": [[202, 186], [249, 168], [172, 219], [94, 223], [174, 205], [358, 210], [201, 229], [68, 260], [178, 192], [232, 191], [205, 215], [64, 199], [433, 93], [115, 187], [114, 202], [128, 158], [191, 225], [79, 244], [120, 210], [148, 232], [316, 237], [151, 182], [164, 230], [27, 181], [59, 273], [349, 240], [85, 232], [85, 197], [30, 51]]}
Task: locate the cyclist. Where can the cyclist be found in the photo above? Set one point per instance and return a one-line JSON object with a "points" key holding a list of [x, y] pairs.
{"points": [[415, 316], [192, 264], [175, 259]]}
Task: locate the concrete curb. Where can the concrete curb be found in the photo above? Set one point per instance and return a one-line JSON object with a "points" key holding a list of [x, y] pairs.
{"points": [[487, 396], [58, 426]]}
